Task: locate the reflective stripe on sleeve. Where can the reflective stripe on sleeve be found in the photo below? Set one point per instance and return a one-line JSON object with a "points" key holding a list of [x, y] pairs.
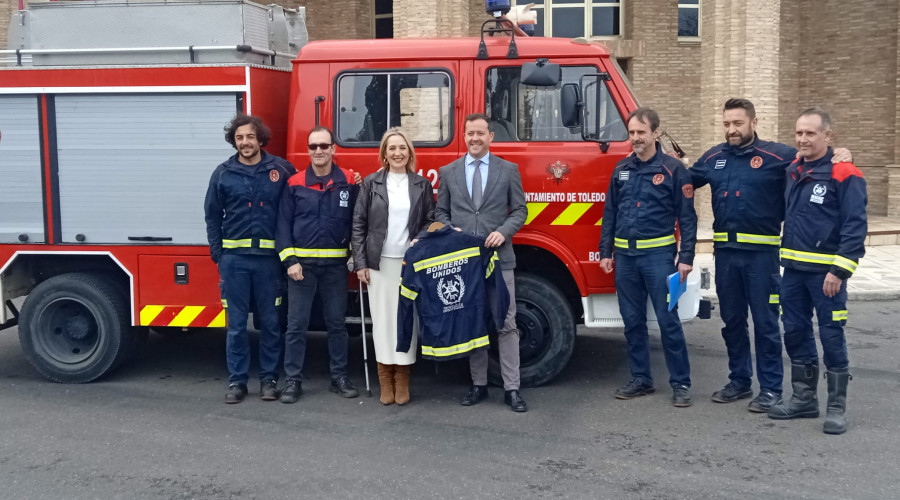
{"points": [[409, 294], [819, 258], [774, 299], [490, 266]]}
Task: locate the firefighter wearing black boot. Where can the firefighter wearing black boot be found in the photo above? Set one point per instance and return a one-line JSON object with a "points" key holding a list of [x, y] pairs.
{"points": [[824, 233]]}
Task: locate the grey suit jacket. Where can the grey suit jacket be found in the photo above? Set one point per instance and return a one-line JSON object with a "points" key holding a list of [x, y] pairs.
{"points": [[502, 207]]}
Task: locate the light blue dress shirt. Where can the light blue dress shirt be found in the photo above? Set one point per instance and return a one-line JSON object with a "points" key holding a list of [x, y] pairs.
{"points": [[470, 171]]}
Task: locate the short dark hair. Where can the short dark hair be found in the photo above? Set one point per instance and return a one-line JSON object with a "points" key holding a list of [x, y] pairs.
{"points": [[644, 115], [826, 118], [744, 104], [263, 134], [320, 128], [479, 116]]}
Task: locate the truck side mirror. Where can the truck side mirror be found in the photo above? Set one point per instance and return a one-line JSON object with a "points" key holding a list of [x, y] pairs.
{"points": [[542, 73], [570, 103]]}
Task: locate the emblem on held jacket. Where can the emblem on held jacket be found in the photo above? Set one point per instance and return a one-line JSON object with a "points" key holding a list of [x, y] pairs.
{"points": [[451, 291]]}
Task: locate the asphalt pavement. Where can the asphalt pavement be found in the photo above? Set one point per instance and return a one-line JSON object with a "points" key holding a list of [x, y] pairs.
{"points": [[157, 428]]}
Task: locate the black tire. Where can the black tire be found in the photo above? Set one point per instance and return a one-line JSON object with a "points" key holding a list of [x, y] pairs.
{"points": [[546, 332], [75, 328]]}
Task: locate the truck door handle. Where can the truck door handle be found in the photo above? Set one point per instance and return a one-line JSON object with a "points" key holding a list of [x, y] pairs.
{"points": [[149, 238]]}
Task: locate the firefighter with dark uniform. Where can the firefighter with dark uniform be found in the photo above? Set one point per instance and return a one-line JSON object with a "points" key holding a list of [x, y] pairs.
{"points": [[241, 209], [824, 234], [313, 240], [648, 192], [746, 175]]}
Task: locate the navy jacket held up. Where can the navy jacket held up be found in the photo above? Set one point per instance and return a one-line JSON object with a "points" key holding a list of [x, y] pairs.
{"points": [[825, 222], [241, 205], [314, 220], [644, 201], [447, 275], [747, 192]]}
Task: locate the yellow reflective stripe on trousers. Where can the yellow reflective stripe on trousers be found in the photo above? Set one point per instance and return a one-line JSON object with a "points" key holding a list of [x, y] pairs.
{"points": [[759, 239], [774, 299], [409, 294], [818, 258], [439, 352], [312, 252], [447, 257], [720, 236], [845, 263], [490, 266], [266, 243], [246, 243], [655, 242], [839, 315]]}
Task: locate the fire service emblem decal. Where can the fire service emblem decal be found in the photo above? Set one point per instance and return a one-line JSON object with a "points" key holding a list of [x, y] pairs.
{"points": [[558, 171]]}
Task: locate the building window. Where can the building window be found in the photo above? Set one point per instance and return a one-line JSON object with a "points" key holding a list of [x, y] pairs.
{"points": [[689, 18], [577, 18], [369, 103], [384, 18]]}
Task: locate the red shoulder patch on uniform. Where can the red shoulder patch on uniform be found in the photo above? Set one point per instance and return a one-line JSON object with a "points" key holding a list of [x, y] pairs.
{"points": [[273, 175], [688, 190], [841, 171], [298, 179], [756, 162]]}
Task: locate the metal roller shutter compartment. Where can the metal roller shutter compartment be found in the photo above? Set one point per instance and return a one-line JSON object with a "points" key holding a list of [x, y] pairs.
{"points": [[139, 165], [21, 203]]}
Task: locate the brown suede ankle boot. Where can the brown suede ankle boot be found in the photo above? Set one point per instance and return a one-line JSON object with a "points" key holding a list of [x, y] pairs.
{"points": [[386, 380], [401, 379]]}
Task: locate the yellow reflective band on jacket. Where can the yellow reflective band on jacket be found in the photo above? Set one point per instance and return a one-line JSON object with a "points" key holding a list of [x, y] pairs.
{"points": [[247, 243], [224, 303], [277, 301], [839, 315], [819, 258], [447, 257], [774, 299], [439, 352], [720, 236], [490, 266], [319, 253], [845, 263], [409, 294], [266, 243], [648, 243], [759, 239]]}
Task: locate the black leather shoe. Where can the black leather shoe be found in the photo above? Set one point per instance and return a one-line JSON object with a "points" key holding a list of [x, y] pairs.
{"points": [[291, 392], [765, 400], [731, 393], [268, 390], [344, 387], [633, 389], [475, 395], [236, 393], [515, 402]]}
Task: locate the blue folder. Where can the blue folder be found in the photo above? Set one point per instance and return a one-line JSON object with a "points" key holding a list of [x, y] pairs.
{"points": [[676, 289]]}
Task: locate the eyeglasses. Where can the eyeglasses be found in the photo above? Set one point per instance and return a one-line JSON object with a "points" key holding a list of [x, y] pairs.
{"points": [[323, 146]]}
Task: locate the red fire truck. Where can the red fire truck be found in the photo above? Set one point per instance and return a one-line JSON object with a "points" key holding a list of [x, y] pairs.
{"points": [[104, 165]]}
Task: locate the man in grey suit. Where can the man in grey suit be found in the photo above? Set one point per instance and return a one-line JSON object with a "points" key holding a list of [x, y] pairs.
{"points": [[482, 194]]}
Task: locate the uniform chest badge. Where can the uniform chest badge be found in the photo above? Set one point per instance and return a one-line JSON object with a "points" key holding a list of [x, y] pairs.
{"points": [[345, 198], [273, 175], [818, 194], [720, 164], [623, 175], [658, 179], [756, 161]]}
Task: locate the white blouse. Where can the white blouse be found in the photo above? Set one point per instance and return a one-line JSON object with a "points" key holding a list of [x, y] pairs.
{"points": [[397, 239]]}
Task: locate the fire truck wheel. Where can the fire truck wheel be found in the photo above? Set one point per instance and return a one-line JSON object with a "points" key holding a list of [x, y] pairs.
{"points": [[546, 332], [75, 328]]}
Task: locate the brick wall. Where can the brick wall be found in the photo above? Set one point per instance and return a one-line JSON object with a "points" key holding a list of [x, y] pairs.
{"points": [[7, 7], [336, 19]]}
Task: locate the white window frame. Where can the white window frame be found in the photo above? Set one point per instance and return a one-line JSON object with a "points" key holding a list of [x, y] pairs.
{"points": [[699, 7], [587, 6]]}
